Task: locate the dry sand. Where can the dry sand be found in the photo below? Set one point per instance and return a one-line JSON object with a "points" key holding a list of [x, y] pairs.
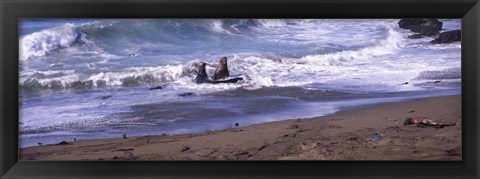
{"points": [[340, 136]]}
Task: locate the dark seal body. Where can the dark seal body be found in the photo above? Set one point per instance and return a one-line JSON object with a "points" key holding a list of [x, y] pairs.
{"points": [[221, 71], [203, 78]]}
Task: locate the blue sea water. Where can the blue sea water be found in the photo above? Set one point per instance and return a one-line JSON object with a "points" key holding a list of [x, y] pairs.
{"points": [[90, 78]]}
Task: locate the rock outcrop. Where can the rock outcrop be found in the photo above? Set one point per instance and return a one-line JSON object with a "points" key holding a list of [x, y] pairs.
{"points": [[448, 37], [424, 27]]}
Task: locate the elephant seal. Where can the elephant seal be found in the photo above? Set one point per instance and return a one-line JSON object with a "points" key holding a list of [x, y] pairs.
{"points": [[221, 71], [203, 78], [191, 68]]}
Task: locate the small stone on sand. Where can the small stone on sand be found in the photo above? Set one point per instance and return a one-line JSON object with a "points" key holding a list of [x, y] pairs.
{"points": [[185, 148]]}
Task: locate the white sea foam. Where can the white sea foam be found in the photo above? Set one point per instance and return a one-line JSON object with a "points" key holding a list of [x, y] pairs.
{"points": [[41, 43], [217, 27], [321, 31], [316, 68], [373, 53], [269, 23], [128, 77], [44, 42]]}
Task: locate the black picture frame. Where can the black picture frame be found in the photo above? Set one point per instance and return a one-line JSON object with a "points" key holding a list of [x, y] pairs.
{"points": [[12, 10]]}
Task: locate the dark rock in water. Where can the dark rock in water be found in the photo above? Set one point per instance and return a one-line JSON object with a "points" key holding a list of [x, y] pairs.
{"points": [[425, 27], [236, 124], [277, 60], [155, 88], [448, 37], [415, 36], [63, 143], [40, 143], [105, 97], [429, 27], [186, 94], [437, 81], [409, 23], [124, 135]]}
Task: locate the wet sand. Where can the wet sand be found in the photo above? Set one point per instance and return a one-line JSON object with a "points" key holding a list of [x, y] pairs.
{"points": [[340, 136]]}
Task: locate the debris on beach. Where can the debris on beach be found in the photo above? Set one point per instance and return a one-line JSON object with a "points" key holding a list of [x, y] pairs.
{"points": [[63, 143], [429, 122], [263, 147], [123, 150], [126, 156], [129, 156], [425, 122], [353, 138], [185, 148], [238, 153], [375, 137], [457, 151], [294, 126], [393, 127], [413, 120]]}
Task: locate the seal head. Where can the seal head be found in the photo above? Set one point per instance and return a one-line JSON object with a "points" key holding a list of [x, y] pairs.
{"points": [[202, 74], [221, 72]]}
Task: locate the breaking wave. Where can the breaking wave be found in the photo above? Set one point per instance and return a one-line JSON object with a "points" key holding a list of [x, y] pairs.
{"points": [[41, 43]]}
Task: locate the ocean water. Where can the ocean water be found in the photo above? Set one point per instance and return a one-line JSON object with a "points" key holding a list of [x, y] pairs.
{"points": [[90, 78]]}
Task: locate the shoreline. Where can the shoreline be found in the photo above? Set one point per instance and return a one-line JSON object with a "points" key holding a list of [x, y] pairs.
{"points": [[218, 120], [339, 136]]}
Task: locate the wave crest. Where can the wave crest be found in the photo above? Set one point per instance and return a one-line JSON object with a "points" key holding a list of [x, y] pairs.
{"points": [[41, 43], [127, 77]]}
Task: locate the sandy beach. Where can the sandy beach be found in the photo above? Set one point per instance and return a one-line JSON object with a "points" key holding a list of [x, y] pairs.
{"points": [[340, 136]]}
